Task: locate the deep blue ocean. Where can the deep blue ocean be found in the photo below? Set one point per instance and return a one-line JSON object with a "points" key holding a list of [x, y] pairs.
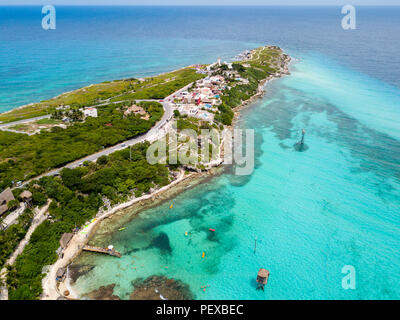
{"points": [[336, 204]]}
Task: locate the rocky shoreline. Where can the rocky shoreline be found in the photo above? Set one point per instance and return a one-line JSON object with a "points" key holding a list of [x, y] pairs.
{"points": [[152, 288], [261, 88]]}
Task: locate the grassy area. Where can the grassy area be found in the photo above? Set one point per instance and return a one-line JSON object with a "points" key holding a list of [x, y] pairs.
{"points": [[265, 61], [20, 127], [265, 58], [163, 86], [156, 87], [35, 126], [48, 121]]}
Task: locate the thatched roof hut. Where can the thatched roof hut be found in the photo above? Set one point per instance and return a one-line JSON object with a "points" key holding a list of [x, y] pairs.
{"points": [[5, 197], [26, 195], [65, 239]]}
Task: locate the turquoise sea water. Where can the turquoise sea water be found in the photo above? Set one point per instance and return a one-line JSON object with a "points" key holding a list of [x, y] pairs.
{"points": [[312, 212]]}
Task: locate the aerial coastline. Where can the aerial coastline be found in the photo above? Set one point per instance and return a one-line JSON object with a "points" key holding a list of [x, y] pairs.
{"points": [[50, 285], [199, 153], [53, 290]]}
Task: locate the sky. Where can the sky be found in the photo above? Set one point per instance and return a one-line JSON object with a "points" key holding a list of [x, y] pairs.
{"points": [[200, 2]]}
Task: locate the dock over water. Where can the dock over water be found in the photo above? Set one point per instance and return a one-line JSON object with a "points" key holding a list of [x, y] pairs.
{"points": [[110, 252]]}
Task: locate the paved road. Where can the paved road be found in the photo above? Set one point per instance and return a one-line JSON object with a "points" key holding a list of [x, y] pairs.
{"points": [[10, 124], [150, 135]]}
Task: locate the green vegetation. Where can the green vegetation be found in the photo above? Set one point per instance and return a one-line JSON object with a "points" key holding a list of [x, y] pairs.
{"points": [[162, 86], [27, 112], [77, 197], [48, 121], [10, 238], [187, 123], [266, 59], [237, 94], [23, 157], [157, 87], [260, 68], [20, 127]]}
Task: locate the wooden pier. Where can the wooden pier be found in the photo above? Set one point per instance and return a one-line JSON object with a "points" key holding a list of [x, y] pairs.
{"points": [[111, 252]]}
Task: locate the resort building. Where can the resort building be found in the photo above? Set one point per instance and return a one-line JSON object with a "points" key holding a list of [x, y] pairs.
{"points": [[90, 112]]}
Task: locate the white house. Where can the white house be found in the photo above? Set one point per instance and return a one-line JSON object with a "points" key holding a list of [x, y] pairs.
{"points": [[90, 112]]}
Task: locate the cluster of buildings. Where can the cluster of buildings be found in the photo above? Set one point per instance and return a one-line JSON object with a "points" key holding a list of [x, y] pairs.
{"points": [[7, 196], [13, 211], [201, 100], [67, 114]]}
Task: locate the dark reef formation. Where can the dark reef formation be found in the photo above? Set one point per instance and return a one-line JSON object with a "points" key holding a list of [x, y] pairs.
{"points": [[103, 293], [160, 288], [78, 270]]}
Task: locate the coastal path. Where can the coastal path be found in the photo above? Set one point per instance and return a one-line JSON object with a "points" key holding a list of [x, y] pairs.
{"points": [[40, 217]]}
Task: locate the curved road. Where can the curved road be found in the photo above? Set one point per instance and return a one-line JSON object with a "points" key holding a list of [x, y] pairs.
{"points": [[149, 135]]}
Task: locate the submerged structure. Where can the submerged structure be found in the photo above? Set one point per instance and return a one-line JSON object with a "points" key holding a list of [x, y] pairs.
{"points": [[301, 146]]}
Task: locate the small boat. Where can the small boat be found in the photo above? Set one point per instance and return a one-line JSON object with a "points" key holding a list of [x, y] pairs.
{"points": [[186, 233], [203, 254], [262, 278], [171, 206], [211, 230], [120, 229]]}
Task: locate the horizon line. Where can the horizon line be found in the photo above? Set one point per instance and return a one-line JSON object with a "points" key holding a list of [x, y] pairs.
{"points": [[201, 5]]}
